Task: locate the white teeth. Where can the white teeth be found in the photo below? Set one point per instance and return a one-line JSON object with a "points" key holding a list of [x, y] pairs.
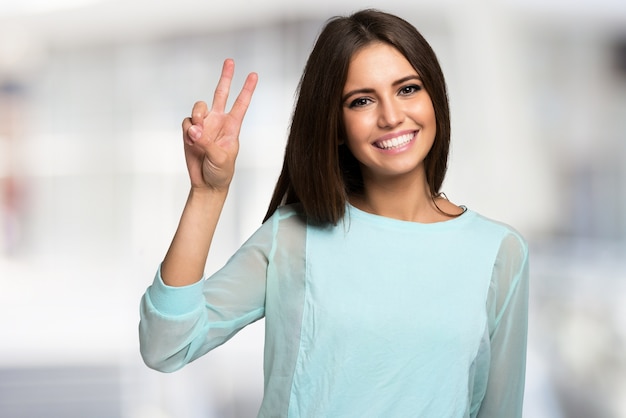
{"points": [[395, 142]]}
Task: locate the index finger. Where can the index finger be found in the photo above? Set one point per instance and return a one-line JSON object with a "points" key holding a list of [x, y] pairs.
{"points": [[223, 86]]}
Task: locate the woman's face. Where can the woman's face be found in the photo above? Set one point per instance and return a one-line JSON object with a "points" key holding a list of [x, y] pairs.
{"points": [[388, 115]]}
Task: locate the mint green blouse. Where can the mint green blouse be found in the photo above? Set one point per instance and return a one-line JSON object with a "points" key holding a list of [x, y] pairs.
{"points": [[373, 317]]}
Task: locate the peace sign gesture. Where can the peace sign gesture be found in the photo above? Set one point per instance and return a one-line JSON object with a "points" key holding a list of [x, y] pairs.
{"points": [[211, 136]]}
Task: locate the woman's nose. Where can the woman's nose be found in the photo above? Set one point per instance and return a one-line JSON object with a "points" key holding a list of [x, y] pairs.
{"points": [[390, 115]]}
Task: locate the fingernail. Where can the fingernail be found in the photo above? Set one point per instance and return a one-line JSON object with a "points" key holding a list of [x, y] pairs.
{"points": [[193, 132]]}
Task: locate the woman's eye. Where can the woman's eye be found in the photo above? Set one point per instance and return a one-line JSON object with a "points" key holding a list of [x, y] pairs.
{"points": [[407, 90], [361, 101]]}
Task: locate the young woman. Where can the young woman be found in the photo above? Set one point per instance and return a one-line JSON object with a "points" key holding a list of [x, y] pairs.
{"points": [[381, 298]]}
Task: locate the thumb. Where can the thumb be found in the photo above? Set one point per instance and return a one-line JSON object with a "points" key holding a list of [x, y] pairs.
{"points": [[194, 133]]}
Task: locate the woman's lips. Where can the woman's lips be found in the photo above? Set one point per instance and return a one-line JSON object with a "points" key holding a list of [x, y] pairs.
{"points": [[396, 142]]}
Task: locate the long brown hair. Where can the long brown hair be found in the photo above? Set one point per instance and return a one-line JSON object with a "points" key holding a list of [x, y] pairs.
{"points": [[319, 173]]}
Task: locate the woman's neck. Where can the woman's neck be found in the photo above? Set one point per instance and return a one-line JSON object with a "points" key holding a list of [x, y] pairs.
{"points": [[402, 199]]}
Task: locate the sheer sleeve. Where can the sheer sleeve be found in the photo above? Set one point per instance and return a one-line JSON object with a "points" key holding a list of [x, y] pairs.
{"points": [[508, 326], [179, 324]]}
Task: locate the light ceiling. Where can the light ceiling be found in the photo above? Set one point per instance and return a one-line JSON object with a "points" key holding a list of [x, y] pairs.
{"points": [[63, 23]]}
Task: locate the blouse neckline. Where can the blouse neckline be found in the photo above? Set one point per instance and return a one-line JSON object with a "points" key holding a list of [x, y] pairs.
{"points": [[354, 212]]}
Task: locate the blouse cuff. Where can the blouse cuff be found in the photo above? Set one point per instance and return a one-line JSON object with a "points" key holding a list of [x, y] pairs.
{"points": [[175, 300]]}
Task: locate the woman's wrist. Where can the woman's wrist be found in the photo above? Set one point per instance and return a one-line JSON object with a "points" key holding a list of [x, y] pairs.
{"points": [[207, 193]]}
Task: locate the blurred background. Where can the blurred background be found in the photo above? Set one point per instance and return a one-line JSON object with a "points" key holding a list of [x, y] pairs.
{"points": [[93, 180]]}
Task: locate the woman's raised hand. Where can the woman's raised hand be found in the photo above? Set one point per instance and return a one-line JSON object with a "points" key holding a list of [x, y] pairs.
{"points": [[211, 136]]}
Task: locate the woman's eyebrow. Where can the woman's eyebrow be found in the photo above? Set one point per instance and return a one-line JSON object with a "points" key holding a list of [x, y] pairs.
{"points": [[370, 90], [354, 92], [407, 78]]}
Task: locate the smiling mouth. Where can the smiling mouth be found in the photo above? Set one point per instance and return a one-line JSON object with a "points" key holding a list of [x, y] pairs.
{"points": [[396, 142]]}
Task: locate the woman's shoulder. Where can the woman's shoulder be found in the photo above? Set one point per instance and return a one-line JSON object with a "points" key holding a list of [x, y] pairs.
{"points": [[291, 210], [505, 232], [289, 216]]}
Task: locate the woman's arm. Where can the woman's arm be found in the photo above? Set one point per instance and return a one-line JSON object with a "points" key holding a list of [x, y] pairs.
{"points": [[508, 331], [177, 324], [211, 141], [180, 324]]}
